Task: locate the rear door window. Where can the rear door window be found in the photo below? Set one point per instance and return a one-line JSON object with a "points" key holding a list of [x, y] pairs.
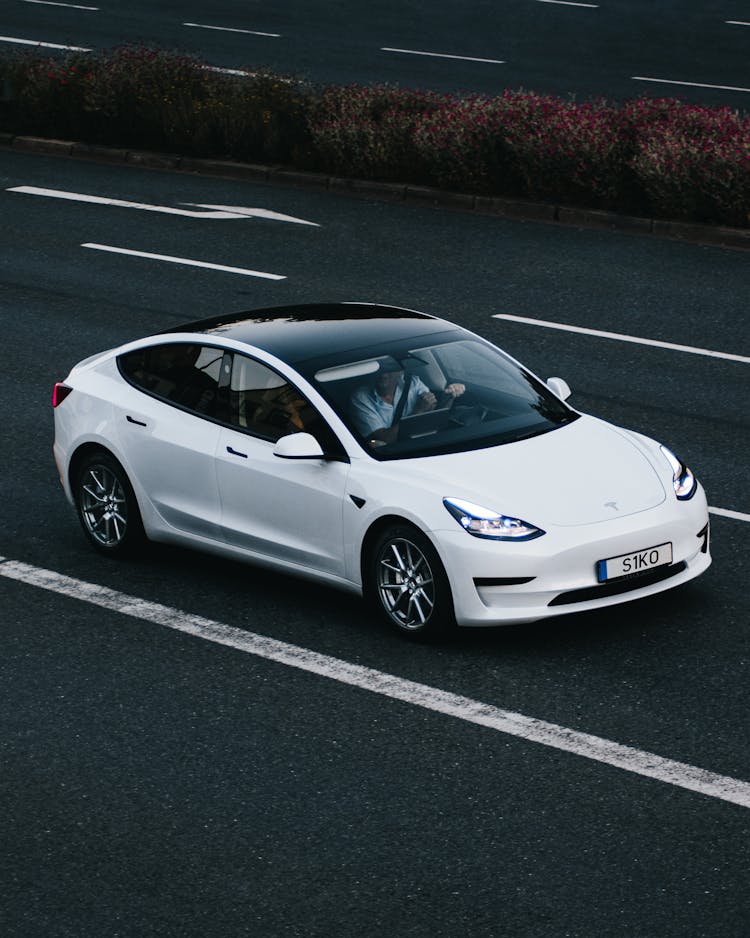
{"points": [[263, 403]]}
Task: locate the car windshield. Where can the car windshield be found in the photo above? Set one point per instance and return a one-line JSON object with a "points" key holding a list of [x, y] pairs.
{"points": [[436, 394]]}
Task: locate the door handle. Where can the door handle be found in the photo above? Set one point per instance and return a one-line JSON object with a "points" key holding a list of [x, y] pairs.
{"points": [[235, 452], [138, 423]]}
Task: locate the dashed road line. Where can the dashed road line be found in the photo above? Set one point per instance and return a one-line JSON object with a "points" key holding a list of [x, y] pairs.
{"points": [[44, 45], [689, 84], [72, 6], [620, 337], [185, 261], [596, 748], [232, 29], [570, 3], [443, 55]]}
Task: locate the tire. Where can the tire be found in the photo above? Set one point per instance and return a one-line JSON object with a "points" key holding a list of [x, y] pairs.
{"points": [[106, 505], [407, 582]]}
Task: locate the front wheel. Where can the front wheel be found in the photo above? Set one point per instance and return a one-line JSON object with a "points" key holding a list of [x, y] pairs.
{"points": [[107, 508], [408, 583]]}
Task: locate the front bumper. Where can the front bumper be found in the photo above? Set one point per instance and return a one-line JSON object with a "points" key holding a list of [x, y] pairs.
{"points": [[501, 583]]}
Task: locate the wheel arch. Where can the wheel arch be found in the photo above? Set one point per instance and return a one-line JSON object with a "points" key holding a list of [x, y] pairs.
{"points": [[437, 625], [89, 449], [135, 532], [81, 453], [373, 533]]}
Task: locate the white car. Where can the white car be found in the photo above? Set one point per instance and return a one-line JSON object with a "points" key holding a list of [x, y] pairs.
{"points": [[380, 450]]}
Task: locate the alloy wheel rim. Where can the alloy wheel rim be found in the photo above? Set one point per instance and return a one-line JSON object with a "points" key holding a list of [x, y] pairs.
{"points": [[405, 584], [103, 506]]}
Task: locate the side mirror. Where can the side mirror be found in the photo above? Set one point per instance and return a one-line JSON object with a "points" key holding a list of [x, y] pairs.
{"points": [[560, 387], [298, 446]]}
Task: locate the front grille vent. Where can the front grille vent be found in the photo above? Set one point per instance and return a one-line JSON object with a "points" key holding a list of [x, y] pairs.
{"points": [[502, 581], [625, 585]]}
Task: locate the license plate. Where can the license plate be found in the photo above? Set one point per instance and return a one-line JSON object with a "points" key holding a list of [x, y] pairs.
{"points": [[637, 562]]}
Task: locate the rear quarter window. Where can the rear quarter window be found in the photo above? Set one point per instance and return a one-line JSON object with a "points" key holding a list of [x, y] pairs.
{"points": [[186, 374]]}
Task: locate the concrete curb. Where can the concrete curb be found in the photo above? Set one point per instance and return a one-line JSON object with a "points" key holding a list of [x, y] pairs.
{"points": [[517, 209]]}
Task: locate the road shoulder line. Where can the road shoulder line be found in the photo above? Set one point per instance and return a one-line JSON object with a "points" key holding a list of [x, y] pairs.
{"points": [[649, 765]]}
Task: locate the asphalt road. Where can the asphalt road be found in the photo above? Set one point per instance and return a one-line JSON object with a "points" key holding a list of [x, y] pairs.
{"points": [[157, 784], [696, 50]]}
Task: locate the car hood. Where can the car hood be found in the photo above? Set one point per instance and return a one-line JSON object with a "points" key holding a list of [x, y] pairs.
{"points": [[582, 473]]}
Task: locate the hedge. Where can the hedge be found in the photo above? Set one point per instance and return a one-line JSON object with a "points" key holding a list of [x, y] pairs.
{"points": [[654, 157]]}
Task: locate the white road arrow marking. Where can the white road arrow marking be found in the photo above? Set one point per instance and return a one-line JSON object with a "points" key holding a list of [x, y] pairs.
{"points": [[206, 211], [239, 212]]}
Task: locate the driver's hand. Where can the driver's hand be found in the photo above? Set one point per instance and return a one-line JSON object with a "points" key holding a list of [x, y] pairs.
{"points": [[425, 402], [455, 390]]}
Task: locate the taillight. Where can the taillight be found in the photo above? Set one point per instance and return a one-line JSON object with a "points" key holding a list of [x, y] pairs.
{"points": [[59, 393]]}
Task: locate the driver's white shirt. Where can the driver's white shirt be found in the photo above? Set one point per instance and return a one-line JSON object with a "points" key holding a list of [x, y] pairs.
{"points": [[370, 412]]}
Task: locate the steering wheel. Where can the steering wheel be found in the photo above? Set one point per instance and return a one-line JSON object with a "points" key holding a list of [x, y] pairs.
{"points": [[465, 414], [446, 401]]}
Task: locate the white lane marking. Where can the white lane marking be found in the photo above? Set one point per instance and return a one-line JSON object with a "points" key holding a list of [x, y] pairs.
{"points": [[51, 3], [690, 84], [239, 212], [185, 261], [736, 23], [637, 340], [229, 29], [441, 55], [229, 71], [727, 513], [244, 74], [119, 203], [214, 211], [569, 3], [44, 45], [602, 750]]}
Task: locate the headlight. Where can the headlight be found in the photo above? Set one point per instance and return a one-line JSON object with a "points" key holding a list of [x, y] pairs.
{"points": [[482, 522], [683, 480]]}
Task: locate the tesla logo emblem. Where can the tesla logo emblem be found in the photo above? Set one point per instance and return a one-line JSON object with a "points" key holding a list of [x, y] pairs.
{"points": [[612, 505]]}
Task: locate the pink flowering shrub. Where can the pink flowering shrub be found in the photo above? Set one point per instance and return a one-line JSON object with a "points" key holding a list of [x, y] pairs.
{"points": [[151, 92], [522, 143], [368, 131], [261, 117], [563, 150], [462, 146], [49, 94], [656, 157], [692, 162]]}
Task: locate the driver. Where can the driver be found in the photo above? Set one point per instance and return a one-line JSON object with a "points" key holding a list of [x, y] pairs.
{"points": [[374, 406]]}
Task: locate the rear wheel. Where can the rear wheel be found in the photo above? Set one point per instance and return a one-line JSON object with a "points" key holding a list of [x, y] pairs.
{"points": [[408, 583], [107, 508]]}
